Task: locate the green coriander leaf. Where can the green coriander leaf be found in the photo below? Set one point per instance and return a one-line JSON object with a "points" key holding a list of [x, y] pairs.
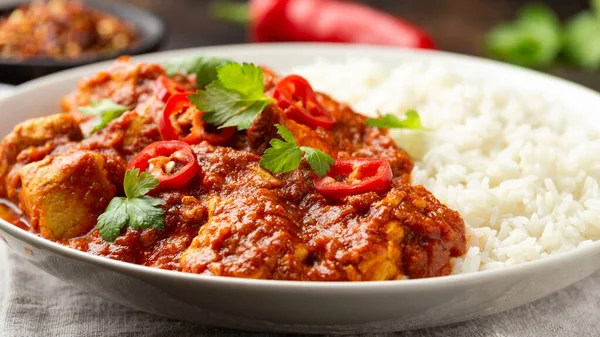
{"points": [[285, 156], [582, 45], [227, 107], [235, 99], [281, 157], [319, 161], [113, 219], [285, 133], [204, 67], [532, 40], [244, 119], [106, 109], [137, 210], [145, 212], [390, 121], [247, 79], [137, 185]]}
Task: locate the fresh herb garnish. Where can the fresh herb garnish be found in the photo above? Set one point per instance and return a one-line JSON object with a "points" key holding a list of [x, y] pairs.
{"points": [[235, 98], [582, 40], [390, 121], [285, 156], [538, 39], [204, 67], [136, 210], [106, 109], [532, 40]]}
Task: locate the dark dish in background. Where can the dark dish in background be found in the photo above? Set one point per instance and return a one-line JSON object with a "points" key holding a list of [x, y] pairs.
{"points": [[72, 46], [62, 29]]}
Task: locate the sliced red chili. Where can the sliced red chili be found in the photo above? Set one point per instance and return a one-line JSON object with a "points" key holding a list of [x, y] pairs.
{"points": [[165, 87], [296, 97], [355, 176], [178, 105], [173, 163]]}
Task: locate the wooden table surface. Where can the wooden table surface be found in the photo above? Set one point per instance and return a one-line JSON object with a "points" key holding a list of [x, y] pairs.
{"points": [[456, 25]]}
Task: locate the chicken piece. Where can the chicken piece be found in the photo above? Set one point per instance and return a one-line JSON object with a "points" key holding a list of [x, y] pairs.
{"points": [[64, 195], [369, 238], [433, 233], [127, 83], [151, 247], [128, 135], [249, 232], [32, 140]]}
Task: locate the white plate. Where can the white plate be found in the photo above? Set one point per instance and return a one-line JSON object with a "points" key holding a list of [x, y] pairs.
{"points": [[305, 306], [5, 89]]}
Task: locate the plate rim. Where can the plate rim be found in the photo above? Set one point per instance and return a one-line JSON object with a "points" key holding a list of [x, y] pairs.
{"points": [[450, 281]]}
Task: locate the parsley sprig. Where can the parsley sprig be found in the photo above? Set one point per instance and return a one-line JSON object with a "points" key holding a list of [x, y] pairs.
{"points": [[204, 67], [136, 209], [285, 155], [106, 109], [235, 98], [391, 121]]}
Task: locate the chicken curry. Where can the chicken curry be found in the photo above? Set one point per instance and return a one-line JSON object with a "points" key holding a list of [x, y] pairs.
{"points": [[212, 167]]}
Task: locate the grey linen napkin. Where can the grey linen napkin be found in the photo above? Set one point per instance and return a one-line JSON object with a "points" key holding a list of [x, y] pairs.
{"points": [[33, 303]]}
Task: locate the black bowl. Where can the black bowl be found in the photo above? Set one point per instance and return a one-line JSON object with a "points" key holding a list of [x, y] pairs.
{"points": [[149, 28]]}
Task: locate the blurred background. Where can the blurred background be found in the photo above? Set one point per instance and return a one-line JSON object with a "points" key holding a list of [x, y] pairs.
{"points": [[456, 25], [459, 26]]}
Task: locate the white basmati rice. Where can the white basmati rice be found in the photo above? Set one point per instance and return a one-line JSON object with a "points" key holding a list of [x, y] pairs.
{"points": [[521, 172]]}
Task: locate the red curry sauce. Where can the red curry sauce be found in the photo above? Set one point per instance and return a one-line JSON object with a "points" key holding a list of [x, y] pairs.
{"points": [[235, 218]]}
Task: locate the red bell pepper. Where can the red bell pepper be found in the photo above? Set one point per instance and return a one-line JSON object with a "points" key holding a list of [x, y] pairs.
{"points": [[323, 21]]}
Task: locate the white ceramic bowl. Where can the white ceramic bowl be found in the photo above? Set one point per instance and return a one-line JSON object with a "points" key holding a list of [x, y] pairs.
{"points": [[304, 306]]}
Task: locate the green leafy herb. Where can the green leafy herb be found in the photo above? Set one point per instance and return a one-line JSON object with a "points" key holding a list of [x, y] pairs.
{"points": [[533, 40], [582, 40], [390, 121], [285, 155], [595, 4], [136, 210], [235, 98], [204, 67], [319, 161], [106, 109]]}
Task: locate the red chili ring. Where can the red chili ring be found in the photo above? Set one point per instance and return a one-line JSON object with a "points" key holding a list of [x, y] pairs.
{"points": [[176, 151], [355, 176], [296, 97]]}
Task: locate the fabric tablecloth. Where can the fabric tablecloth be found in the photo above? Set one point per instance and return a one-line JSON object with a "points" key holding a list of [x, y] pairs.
{"points": [[33, 303]]}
